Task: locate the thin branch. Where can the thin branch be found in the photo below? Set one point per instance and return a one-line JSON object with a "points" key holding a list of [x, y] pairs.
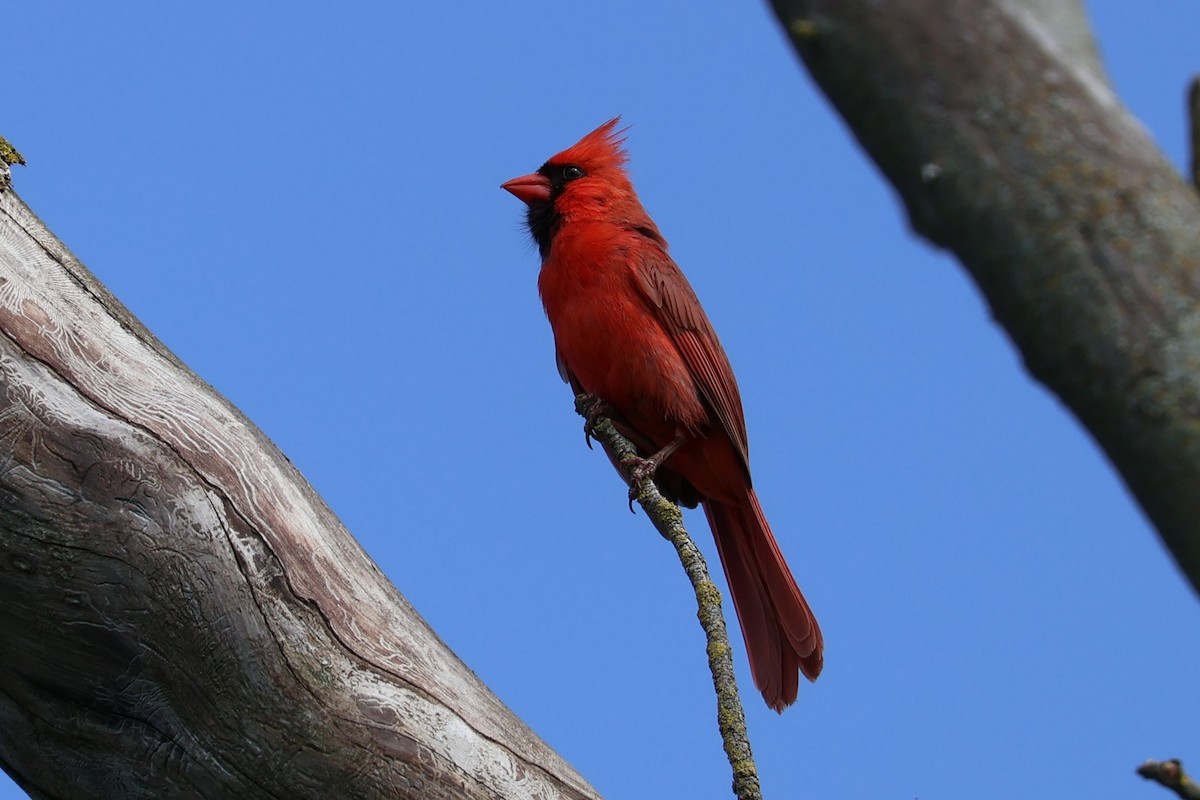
{"points": [[1171, 775], [668, 520]]}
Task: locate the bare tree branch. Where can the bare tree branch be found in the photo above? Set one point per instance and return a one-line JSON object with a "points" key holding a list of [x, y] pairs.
{"points": [[1008, 151], [180, 614]]}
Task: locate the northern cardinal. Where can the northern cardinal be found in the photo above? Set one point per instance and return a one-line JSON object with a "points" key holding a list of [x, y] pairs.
{"points": [[629, 331]]}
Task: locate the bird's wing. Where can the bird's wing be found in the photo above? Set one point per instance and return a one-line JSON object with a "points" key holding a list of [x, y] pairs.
{"points": [[680, 313]]}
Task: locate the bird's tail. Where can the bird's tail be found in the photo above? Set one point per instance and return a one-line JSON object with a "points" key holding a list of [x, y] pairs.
{"points": [[781, 633]]}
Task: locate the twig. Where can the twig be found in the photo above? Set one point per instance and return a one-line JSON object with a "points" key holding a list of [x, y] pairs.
{"points": [[668, 520], [1171, 775]]}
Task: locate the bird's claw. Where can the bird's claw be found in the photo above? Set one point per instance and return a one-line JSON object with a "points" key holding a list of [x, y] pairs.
{"points": [[639, 470], [594, 408]]}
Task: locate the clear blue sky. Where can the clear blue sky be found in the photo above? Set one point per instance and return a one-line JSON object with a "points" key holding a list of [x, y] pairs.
{"points": [[303, 204]]}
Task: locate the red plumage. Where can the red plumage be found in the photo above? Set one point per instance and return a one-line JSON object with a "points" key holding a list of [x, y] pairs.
{"points": [[629, 329]]}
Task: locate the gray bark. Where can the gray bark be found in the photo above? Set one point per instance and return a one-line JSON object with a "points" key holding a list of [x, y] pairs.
{"points": [[180, 615], [1008, 147]]}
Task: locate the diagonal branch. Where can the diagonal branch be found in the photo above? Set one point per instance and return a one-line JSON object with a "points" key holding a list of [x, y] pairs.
{"points": [[180, 614], [1010, 152]]}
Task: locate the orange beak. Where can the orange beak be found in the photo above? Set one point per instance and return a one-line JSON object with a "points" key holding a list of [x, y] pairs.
{"points": [[529, 189]]}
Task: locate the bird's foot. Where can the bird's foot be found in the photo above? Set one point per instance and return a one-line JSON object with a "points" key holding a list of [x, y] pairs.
{"points": [[639, 469], [594, 407]]}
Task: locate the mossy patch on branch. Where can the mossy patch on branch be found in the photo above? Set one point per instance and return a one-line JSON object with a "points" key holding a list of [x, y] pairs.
{"points": [[9, 154]]}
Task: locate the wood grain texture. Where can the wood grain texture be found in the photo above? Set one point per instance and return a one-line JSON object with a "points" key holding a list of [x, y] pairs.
{"points": [[1008, 147], [180, 614]]}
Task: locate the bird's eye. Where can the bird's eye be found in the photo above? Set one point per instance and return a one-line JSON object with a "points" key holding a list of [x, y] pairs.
{"points": [[571, 172]]}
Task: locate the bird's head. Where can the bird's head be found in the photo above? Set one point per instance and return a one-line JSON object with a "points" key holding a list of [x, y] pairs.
{"points": [[587, 180]]}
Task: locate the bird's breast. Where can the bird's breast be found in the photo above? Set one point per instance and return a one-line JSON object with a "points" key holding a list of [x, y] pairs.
{"points": [[611, 339]]}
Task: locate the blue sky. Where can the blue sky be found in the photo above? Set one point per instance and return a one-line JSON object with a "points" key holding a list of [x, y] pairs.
{"points": [[303, 204]]}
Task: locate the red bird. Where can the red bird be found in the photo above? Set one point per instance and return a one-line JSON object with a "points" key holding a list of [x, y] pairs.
{"points": [[629, 330]]}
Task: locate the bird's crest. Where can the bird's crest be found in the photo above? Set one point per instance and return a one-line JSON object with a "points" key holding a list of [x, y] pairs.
{"points": [[603, 147]]}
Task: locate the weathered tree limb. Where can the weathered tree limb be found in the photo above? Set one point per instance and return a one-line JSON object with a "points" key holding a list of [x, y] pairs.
{"points": [[1171, 775], [668, 521], [180, 614], [1086, 243]]}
